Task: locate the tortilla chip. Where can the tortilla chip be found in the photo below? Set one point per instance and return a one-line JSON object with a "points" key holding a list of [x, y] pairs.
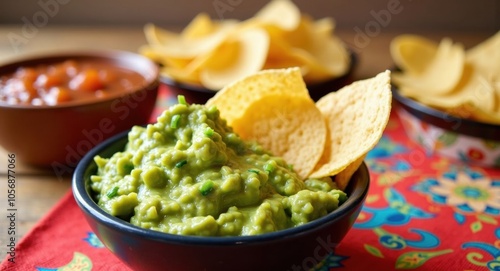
{"points": [[342, 178], [412, 53], [234, 99], [441, 75], [289, 126], [356, 117], [249, 56]]}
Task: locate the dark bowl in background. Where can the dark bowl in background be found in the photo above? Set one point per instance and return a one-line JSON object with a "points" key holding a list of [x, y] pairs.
{"points": [[143, 249], [198, 94], [58, 136]]}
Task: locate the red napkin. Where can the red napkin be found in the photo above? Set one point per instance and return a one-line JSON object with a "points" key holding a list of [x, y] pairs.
{"points": [[62, 239], [423, 212]]}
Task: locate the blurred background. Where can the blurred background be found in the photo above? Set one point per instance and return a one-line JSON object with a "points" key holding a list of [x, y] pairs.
{"points": [[366, 26], [409, 15]]}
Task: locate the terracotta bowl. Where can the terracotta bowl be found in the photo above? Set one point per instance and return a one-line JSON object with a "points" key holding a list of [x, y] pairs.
{"points": [[296, 248], [199, 95], [58, 136], [460, 139]]}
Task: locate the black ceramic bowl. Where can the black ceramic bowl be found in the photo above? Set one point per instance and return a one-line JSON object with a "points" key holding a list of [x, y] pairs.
{"points": [[199, 95], [458, 138], [143, 249]]}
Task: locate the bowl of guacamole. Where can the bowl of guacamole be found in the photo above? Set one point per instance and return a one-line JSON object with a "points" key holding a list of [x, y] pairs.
{"points": [[187, 193]]}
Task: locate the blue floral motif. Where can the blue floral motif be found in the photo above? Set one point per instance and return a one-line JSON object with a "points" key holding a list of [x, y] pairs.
{"points": [[399, 212], [469, 192], [460, 218], [80, 262], [386, 148], [475, 258], [401, 166], [93, 240], [393, 241], [330, 261]]}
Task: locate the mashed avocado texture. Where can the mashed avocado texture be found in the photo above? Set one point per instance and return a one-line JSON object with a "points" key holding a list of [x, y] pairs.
{"points": [[190, 174]]}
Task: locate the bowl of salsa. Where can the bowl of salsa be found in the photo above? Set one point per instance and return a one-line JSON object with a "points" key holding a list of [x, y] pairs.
{"points": [[56, 107]]}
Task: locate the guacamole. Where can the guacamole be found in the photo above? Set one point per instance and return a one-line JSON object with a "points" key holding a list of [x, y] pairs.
{"points": [[190, 174]]}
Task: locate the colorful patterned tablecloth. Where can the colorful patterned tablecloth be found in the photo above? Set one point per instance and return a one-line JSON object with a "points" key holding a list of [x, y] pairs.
{"points": [[423, 212]]}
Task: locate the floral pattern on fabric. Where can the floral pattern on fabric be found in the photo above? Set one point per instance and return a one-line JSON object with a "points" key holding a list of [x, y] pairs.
{"points": [[93, 240], [423, 211], [80, 262], [411, 190], [468, 192]]}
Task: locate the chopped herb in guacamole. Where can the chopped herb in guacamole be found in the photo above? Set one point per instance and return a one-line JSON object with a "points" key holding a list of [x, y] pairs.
{"points": [[190, 174]]}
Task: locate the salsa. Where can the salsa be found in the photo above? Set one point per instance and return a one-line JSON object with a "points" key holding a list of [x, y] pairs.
{"points": [[70, 80], [190, 174]]}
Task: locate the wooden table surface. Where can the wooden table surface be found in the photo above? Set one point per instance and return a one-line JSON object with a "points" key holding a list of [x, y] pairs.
{"points": [[37, 191]]}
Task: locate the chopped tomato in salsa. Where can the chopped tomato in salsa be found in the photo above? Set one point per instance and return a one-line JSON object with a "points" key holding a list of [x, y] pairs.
{"points": [[66, 81]]}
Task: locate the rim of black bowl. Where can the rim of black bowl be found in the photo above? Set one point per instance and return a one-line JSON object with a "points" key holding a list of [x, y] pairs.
{"points": [[199, 88], [192, 87], [84, 200], [114, 55], [447, 121]]}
